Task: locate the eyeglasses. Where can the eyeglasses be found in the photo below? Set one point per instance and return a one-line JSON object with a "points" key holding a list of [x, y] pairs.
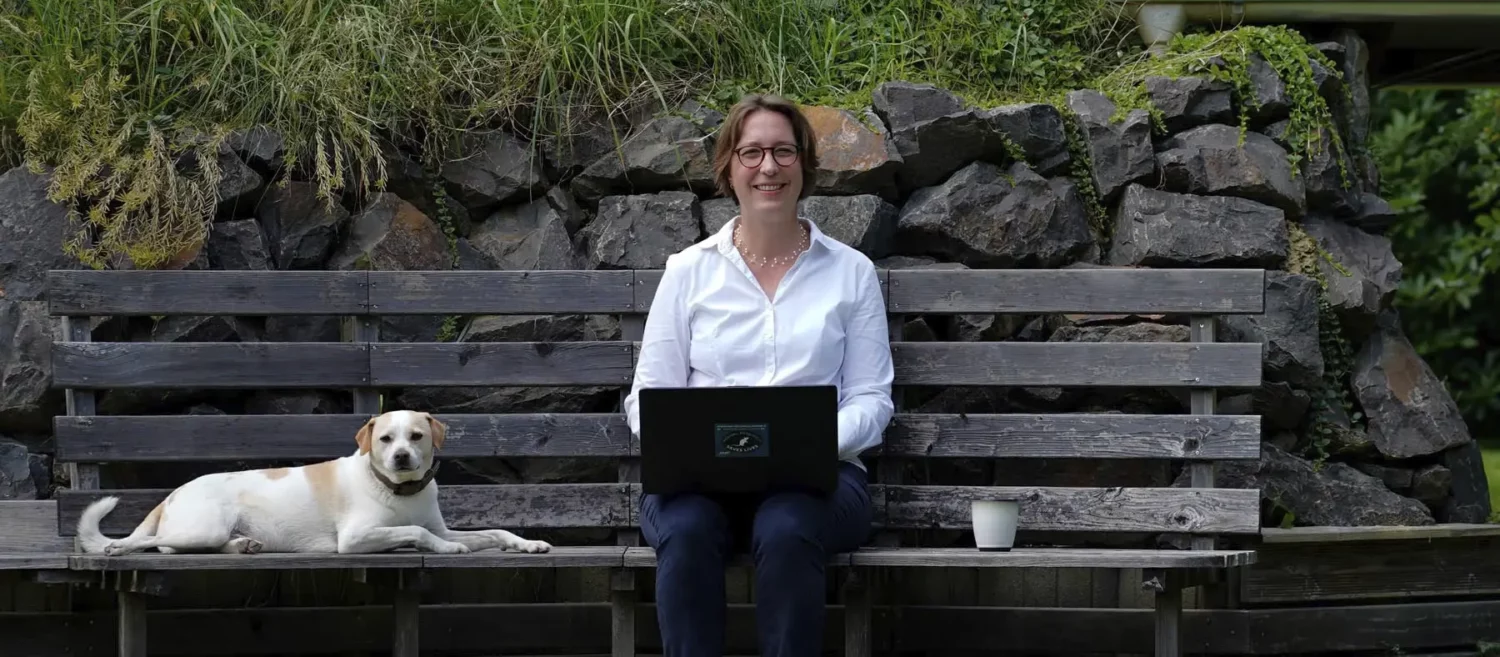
{"points": [[751, 156]]}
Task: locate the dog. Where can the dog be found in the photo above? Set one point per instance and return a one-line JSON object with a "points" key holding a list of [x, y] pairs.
{"points": [[380, 498]]}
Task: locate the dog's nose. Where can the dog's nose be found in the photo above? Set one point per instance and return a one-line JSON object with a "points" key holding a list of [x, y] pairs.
{"points": [[403, 459]]}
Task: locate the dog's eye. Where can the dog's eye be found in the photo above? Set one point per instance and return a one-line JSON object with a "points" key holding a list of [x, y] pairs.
{"points": [[416, 437], [385, 439]]}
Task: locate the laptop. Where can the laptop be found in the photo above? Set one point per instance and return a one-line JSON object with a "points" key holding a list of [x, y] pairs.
{"points": [[739, 439]]}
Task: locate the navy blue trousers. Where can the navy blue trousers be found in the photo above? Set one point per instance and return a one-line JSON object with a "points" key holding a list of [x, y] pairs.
{"points": [[790, 535]]}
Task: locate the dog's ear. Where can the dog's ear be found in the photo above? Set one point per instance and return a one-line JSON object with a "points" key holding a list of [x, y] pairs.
{"points": [[363, 437], [439, 431]]}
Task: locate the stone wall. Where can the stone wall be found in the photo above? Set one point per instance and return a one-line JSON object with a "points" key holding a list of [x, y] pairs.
{"points": [[918, 179]]}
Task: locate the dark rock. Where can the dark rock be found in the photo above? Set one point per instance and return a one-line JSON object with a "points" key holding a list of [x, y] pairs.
{"points": [[1367, 275], [666, 154], [303, 328], [405, 177], [1120, 153], [865, 222], [204, 328], [261, 147], [717, 213], [540, 328], [27, 402], [1281, 407], [301, 228], [984, 216], [1189, 102], [1038, 130], [590, 135], [1355, 65], [933, 150], [1269, 99], [1288, 329], [33, 232], [1210, 160], [1138, 332], [391, 234], [1331, 180], [1375, 214], [1410, 411], [298, 402], [16, 482], [1165, 229], [533, 235], [498, 169], [1335, 495], [641, 231], [854, 155], [1396, 479], [238, 245], [903, 104], [1431, 485], [1470, 495]]}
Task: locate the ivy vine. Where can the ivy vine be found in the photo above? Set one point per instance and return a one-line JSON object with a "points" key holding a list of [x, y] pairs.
{"points": [[1333, 393]]}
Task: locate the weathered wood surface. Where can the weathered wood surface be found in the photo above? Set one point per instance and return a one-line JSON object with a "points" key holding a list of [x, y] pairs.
{"points": [[1101, 364], [584, 628], [609, 363], [1073, 435], [1389, 570], [205, 292], [558, 557], [1109, 290], [34, 561], [30, 526], [934, 435], [645, 557], [1277, 535], [502, 292], [464, 507], [1179, 510], [1052, 558], [326, 436], [209, 365]]}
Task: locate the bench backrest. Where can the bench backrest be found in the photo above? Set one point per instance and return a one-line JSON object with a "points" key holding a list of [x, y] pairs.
{"points": [[366, 365]]}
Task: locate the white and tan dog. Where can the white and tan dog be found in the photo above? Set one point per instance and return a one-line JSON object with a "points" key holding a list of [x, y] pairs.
{"points": [[380, 498]]}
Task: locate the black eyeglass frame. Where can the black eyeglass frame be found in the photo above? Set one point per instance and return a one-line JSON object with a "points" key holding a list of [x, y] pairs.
{"points": [[796, 152]]}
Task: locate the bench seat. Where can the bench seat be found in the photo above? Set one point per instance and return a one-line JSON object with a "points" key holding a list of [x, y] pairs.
{"points": [[34, 561], [1053, 558], [559, 557]]}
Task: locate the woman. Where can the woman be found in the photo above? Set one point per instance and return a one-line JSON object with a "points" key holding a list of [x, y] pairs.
{"points": [[768, 300]]}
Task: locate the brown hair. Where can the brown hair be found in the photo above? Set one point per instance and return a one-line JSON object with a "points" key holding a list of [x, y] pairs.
{"points": [[734, 123]]}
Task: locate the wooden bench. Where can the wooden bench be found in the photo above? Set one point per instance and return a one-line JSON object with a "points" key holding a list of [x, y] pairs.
{"points": [[367, 366]]}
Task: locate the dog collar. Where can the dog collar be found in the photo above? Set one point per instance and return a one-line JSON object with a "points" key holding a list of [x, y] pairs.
{"points": [[406, 488]]}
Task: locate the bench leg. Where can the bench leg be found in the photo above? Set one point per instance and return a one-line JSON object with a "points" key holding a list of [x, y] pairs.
{"points": [[132, 630], [622, 599], [857, 640], [407, 617], [1168, 621]]}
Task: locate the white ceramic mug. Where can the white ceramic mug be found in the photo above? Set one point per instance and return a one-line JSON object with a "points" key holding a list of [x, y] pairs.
{"points": [[994, 523]]}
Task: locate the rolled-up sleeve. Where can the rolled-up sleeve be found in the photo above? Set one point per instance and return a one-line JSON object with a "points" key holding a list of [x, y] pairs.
{"points": [[663, 358], [865, 406]]}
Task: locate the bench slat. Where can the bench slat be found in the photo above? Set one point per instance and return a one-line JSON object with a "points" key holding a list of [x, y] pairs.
{"points": [[559, 556], [1103, 364], [609, 363], [929, 435], [1063, 509], [502, 292], [1110, 290], [516, 506], [205, 292], [1073, 435], [1052, 558], [326, 436], [209, 364]]}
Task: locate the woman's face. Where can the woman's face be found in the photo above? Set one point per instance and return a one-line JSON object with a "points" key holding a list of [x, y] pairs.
{"points": [[773, 184]]}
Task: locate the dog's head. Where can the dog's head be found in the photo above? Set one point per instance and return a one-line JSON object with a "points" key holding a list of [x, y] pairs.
{"points": [[402, 444]]}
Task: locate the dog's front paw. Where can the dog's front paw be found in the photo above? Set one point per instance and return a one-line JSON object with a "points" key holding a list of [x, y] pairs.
{"points": [[534, 546], [114, 549], [452, 548]]}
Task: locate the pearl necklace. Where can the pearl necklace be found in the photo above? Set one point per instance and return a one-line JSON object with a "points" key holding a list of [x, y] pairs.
{"points": [[762, 261]]}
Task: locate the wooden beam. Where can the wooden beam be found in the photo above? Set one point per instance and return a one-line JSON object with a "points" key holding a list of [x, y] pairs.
{"points": [[205, 292], [502, 292], [1052, 558], [1098, 291], [214, 365], [1093, 364], [1175, 510], [1072, 435], [326, 436], [605, 363]]}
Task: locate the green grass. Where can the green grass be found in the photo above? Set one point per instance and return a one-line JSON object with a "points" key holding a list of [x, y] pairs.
{"points": [[1491, 455]]}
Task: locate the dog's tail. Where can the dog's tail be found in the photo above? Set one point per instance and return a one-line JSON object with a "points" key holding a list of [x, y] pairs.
{"points": [[92, 541]]}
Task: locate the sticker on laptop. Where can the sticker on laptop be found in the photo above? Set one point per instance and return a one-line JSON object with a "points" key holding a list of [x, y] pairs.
{"points": [[738, 440]]}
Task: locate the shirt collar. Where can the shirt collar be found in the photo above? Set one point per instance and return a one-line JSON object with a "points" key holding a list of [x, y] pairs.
{"points": [[723, 240]]}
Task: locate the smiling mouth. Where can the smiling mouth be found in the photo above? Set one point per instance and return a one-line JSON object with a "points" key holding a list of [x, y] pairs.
{"points": [[773, 187]]}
